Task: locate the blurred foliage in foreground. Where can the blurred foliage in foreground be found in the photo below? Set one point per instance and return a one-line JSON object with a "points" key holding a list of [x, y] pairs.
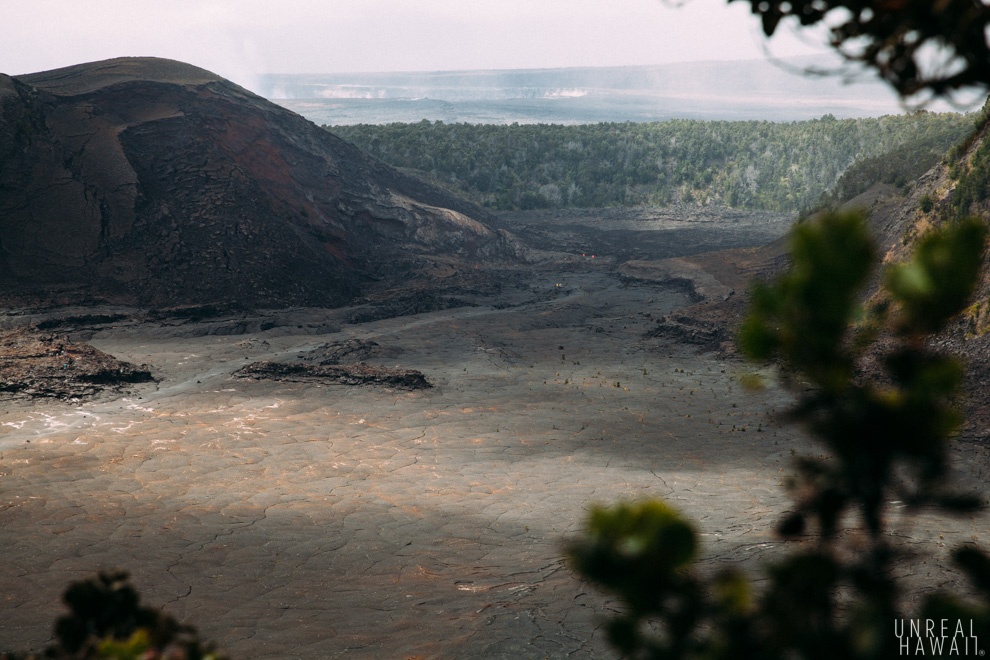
{"points": [[886, 431], [107, 622]]}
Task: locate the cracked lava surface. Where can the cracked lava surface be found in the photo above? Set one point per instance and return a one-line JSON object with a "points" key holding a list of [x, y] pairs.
{"points": [[309, 520]]}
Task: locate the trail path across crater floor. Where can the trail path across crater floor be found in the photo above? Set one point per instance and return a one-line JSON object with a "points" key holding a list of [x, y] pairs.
{"points": [[311, 520]]}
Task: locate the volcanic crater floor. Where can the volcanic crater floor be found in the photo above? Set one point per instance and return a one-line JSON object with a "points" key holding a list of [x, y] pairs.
{"points": [[310, 519]]}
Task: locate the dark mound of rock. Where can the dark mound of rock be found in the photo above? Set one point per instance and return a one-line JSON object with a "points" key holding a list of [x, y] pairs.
{"points": [[355, 374], [194, 313], [417, 302], [80, 321], [703, 333], [350, 350], [152, 182], [40, 364]]}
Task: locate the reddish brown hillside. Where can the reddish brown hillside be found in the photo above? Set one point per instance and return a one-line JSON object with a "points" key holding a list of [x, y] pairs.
{"points": [[155, 182]]}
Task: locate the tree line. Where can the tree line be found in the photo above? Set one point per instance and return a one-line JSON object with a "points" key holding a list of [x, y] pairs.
{"points": [[748, 164]]}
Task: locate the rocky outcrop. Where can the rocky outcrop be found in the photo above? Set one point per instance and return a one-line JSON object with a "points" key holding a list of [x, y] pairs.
{"points": [[697, 282], [352, 350], [43, 364], [324, 363], [354, 374], [149, 181], [692, 329]]}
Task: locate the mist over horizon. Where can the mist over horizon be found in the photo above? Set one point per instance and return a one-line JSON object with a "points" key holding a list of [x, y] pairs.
{"points": [[773, 90]]}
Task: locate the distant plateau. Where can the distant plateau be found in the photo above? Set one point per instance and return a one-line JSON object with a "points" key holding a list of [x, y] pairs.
{"points": [[774, 90]]}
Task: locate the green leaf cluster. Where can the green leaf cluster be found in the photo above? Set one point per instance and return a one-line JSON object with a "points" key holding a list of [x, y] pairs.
{"points": [[106, 621], [897, 422], [642, 552]]}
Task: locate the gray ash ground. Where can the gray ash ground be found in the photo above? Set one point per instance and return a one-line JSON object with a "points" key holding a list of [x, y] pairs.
{"points": [[645, 233], [312, 519]]}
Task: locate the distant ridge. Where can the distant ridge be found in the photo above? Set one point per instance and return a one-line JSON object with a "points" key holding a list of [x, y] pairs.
{"points": [[751, 89]]}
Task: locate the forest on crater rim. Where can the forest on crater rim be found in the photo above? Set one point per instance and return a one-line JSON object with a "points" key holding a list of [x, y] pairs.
{"points": [[749, 164]]}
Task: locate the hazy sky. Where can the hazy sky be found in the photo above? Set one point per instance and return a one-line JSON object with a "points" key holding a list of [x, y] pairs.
{"points": [[241, 38]]}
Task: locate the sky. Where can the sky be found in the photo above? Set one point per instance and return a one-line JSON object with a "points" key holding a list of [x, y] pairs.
{"points": [[240, 39]]}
